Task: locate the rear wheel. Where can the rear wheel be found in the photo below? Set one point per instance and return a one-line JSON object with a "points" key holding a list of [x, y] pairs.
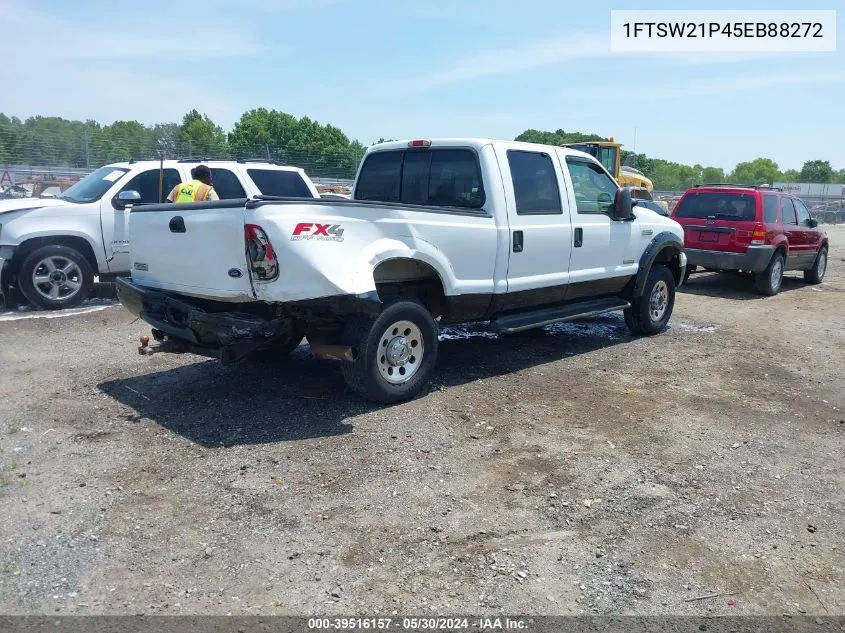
{"points": [[650, 313], [770, 280], [816, 274], [395, 352], [55, 277]]}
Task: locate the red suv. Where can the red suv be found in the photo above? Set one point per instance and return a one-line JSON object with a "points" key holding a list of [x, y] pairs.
{"points": [[758, 230]]}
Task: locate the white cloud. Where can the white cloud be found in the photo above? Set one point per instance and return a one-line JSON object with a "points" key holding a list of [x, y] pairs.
{"points": [[537, 54], [743, 83], [556, 50], [114, 65], [31, 34]]}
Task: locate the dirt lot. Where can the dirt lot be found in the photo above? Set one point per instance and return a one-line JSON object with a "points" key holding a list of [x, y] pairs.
{"points": [[576, 470]]}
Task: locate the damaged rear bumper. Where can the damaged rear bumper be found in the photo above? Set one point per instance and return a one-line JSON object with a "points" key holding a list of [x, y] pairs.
{"points": [[184, 327]]}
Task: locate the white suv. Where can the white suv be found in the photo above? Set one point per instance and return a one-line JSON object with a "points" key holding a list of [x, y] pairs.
{"points": [[52, 248]]}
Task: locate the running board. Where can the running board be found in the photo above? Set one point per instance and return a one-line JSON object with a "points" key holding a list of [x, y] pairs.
{"points": [[511, 323]]}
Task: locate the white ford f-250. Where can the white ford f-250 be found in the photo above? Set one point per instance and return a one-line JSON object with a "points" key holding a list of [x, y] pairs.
{"points": [[444, 231], [52, 248]]}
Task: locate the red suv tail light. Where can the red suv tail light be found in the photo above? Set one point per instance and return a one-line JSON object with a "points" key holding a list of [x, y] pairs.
{"points": [[260, 253], [758, 237]]}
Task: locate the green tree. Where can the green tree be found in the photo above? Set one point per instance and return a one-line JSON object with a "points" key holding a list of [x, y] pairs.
{"points": [[200, 136], [792, 175], [165, 136], [712, 175], [840, 177], [559, 137], [322, 150], [121, 141], [756, 172], [817, 171]]}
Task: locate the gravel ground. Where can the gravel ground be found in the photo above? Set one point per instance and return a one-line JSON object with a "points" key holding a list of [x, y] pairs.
{"points": [[574, 470]]}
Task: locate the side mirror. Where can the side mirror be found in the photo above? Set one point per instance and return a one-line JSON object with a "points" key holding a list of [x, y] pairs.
{"points": [[125, 199], [812, 223], [623, 206]]}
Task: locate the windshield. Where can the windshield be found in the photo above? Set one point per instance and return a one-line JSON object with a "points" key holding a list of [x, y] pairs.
{"points": [[94, 185], [607, 157]]}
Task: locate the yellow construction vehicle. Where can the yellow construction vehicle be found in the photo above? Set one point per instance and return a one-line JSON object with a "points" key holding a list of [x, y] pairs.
{"points": [[609, 154]]}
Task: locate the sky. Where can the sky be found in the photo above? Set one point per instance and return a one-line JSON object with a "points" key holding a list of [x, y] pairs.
{"points": [[424, 69]]}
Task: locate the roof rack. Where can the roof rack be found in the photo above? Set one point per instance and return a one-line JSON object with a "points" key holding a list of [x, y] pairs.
{"points": [[261, 160], [141, 159], [737, 186], [202, 159]]}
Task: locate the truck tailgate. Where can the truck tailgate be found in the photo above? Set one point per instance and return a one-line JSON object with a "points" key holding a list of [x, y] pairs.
{"points": [[196, 249]]}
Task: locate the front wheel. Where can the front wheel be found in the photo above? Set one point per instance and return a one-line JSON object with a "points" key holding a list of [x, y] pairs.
{"points": [[650, 313], [55, 277], [395, 352], [816, 274]]}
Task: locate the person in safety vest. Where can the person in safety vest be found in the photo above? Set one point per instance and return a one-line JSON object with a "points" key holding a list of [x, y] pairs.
{"points": [[197, 190]]}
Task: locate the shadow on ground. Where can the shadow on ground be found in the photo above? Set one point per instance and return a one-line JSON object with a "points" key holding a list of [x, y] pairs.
{"points": [[734, 286], [303, 397]]}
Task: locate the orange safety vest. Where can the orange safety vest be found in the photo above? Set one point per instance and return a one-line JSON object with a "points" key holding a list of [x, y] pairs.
{"points": [[193, 191]]}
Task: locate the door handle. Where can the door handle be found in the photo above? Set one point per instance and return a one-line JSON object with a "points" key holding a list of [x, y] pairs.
{"points": [[579, 238], [177, 224], [517, 242]]}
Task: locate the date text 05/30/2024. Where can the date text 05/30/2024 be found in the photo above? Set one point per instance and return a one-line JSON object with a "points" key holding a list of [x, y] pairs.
{"points": [[416, 624]]}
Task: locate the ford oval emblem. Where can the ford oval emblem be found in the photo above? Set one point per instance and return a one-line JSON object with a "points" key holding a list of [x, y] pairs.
{"points": [[235, 272]]}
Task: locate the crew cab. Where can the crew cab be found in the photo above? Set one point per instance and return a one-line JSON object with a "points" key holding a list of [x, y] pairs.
{"points": [[759, 230], [437, 231], [52, 248]]}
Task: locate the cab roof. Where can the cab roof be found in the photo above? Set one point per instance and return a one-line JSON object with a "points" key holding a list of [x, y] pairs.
{"points": [[473, 142]]}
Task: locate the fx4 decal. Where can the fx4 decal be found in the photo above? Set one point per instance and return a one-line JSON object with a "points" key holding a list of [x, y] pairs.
{"points": [[319, 232]]}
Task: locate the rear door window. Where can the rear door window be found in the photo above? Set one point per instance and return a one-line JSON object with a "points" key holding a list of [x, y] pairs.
{"points": [[433, 177], [147, 185], [535, 185], [278, 182], [737, 207], [788, 211], [226, 184], [770, 209]]}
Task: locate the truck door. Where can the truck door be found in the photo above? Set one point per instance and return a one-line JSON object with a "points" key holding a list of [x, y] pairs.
{"points": [[114, 213], [604, 251], [539, 225]]}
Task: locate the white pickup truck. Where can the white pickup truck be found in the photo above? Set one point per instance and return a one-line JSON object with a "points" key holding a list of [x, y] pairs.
{"points": [[52, 248], [443, 231]]}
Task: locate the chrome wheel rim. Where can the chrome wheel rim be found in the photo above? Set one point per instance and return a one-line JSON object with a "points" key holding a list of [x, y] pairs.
{"points": [[658, 302], [822, 264], [400, 352], [57, 278], [777, 274]]}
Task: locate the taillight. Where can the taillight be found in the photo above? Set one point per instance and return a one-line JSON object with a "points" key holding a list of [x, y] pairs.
{"points": [[758, 237], [259, 251]]}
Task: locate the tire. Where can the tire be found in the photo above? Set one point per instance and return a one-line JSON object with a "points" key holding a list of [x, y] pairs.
{"points": [[650, 313], [406, 329], [279, 350], [770, 280], [56, 277], [816, 274]]}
